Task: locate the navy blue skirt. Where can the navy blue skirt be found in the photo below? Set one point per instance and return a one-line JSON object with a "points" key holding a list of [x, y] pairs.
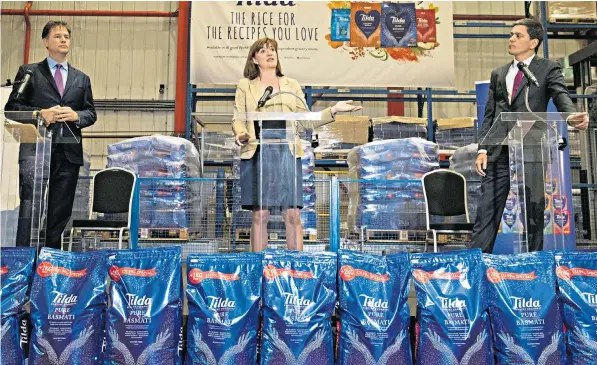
{"points": [[279, 175]]}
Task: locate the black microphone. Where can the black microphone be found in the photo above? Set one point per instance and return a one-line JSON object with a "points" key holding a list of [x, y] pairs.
{"points": [[25, 82], [527, 73], [265, 97]]}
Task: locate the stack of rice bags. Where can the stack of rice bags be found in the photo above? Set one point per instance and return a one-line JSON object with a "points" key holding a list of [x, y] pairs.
{"points": [[463, 161], [453, 133], [164, 203], [394, 127], [385, 203]]}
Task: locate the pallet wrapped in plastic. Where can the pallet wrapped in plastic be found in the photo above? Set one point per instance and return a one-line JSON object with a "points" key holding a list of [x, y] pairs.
{"points": [[452, 133], [394, 127], [463, 161], [164, 203], [394, 198]]}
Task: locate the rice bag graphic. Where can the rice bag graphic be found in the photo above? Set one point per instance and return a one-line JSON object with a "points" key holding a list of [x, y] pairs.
{"points": [[375, 316], [299, 296], [398, 25], [144, 320], [16, 267], [576, 274], [224, 295], [68, 298], [426, 26], [525, 317], [340, 25], [364, 28], [452, 308]]}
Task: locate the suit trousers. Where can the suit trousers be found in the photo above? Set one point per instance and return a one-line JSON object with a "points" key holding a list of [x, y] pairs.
{"points": [[61, 196], [495, 187]]}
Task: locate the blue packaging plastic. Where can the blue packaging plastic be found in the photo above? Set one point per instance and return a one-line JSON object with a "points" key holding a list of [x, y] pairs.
{"points": [[224, 296], [373, 302], [68, 298], [452, 308], [144, 320], [523, 305], [577, 289], [299, 296], [16, 267]]}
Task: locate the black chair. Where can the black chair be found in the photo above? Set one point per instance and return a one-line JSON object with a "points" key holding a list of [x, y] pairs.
{"points": [[445, 195], [113, 191]]}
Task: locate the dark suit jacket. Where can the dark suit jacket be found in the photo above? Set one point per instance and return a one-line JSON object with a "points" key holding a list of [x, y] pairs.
{"points": [[551, 82], [42, 93]]}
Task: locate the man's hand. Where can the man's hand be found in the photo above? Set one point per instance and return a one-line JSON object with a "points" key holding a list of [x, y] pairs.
{"points": [[578, 120], [481, 163], [242, 138], [66, 114], [49, 115]]}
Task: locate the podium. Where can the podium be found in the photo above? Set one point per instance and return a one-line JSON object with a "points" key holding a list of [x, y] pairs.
{"points": [[26, 153], [538, 207], [272, 178]]}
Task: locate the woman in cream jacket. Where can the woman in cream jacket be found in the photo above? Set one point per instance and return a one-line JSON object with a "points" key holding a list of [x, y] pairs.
{"points": [[276, 181]]}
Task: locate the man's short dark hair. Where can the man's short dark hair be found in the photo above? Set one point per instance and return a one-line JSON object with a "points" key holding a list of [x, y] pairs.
{"points": [[534, 28], [51, 25]]}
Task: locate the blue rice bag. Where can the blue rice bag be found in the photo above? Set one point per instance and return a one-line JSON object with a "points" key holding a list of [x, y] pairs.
{"points": [[224, 296], [375, 316], [576, 274], [144, 321], [299, 296], [452, 308], [68, 298], [16, 267], [523, 305]]}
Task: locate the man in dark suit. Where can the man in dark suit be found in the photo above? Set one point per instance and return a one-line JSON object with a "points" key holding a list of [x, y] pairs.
{"points": [[62, 95], [506, 94]]}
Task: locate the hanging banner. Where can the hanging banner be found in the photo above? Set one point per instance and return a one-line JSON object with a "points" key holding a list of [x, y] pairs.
{"points": [[336, 43]]}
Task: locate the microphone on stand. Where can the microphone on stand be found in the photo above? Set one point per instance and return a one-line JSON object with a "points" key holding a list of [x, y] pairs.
{"points": [[527, 73], [25, 82], [265, 97]]}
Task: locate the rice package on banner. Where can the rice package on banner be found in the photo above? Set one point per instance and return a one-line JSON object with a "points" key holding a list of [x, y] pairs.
{"points": [[224, 296], [375, 316], [523, 304], [68, 300], [577, 288], [452, 308], [144, 321], [299, 296], [16, 267]]}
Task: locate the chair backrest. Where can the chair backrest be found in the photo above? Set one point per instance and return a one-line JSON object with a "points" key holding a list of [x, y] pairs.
{"points": [[445, 193], [113, 191]]}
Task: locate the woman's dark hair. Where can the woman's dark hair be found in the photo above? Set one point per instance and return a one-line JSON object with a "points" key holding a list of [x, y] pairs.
{"points": [[251, 71], [51, 25]]}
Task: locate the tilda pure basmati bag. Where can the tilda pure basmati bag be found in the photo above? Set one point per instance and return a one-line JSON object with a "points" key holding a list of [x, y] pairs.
{"points": [[374, 311], [452, 308], [299, 296], [144, 321], [68, 298], [577, 288], [524, 309], [224, 296], [16, 267]]}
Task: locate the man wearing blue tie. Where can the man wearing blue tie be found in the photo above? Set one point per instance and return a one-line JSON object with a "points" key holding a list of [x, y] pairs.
{"points": [[62, 95]]}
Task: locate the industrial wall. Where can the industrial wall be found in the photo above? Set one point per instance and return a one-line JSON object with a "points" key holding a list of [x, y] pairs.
{"points": [[128, 59]]}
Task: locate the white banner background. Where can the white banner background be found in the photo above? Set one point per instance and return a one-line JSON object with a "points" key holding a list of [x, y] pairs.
{"points": [[218, 53]]}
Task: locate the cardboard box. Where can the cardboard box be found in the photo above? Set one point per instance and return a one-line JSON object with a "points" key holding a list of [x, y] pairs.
{"points": [[455, 123], [346, 129], [570, 10]]}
